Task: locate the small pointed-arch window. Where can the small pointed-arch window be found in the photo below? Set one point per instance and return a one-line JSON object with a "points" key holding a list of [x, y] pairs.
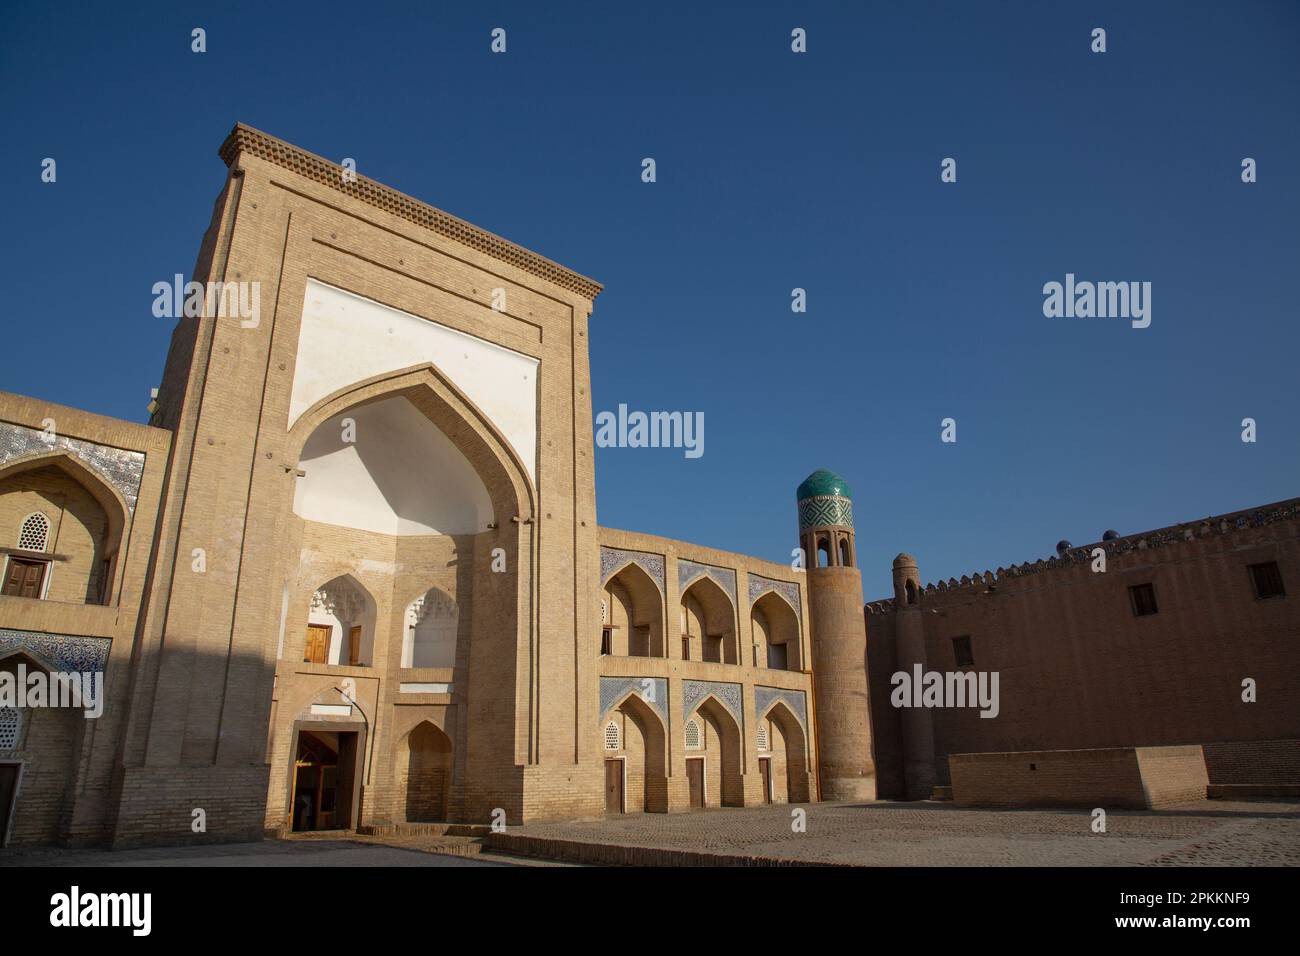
{"points": [[613, 739], [11, 728], [692, 735], [34, 535]]}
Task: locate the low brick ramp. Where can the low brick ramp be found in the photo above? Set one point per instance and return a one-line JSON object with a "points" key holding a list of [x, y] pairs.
{"points": [[617, 854]]}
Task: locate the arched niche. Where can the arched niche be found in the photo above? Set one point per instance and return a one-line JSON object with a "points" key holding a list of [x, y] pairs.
{"points": [[385, 467], [721, 751], [633, 615], [341, 624], [432, 628], [788, 752], [708, 623], [776, 634], [642, 746], [84, 519]]}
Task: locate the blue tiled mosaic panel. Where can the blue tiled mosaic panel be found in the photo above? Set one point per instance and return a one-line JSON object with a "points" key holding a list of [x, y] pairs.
{"points": [[794, 699], [118, 467], [694, 691], [759, 585], [688, 571], [611, 559], [652, 690], [63, 652]]}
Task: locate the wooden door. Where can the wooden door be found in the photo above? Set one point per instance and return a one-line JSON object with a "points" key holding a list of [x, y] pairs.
{"points": [[354, 645], [695, 780], [318, 644], [8, 787], [24, 578], [613, 786], [765, 772]]}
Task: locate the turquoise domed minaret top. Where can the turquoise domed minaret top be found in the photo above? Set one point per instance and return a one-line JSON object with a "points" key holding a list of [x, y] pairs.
{"points": [[824, 499], [822, 482]]}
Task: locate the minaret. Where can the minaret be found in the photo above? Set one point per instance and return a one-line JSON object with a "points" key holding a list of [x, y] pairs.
{"points": [[909, 635], [839, 639]]}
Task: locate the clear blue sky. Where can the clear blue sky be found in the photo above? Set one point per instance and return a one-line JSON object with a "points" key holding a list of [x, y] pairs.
{"points": [[775, 170]]}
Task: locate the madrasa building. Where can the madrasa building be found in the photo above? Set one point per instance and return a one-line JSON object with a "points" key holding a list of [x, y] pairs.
{"points": [[350, 576]]}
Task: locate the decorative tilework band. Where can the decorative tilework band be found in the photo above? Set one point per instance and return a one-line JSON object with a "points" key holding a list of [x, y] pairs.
{"points": [[61, 652], [612, 559], [652, 690], [825, 510], [759, 585], [764, 697], [694, 691], [117, 467], [689, 571]]}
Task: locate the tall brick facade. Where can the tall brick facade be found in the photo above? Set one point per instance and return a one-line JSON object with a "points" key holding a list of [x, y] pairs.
{"points": [[350, 575]]}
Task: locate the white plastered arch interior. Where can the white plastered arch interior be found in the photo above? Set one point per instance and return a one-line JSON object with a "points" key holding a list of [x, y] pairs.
{"points": [[346, 338], [385, 467], [430, 633]]}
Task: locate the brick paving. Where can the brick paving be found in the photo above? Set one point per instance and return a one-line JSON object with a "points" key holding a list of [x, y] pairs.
{"points": [[403, 852], [1207, 833]]}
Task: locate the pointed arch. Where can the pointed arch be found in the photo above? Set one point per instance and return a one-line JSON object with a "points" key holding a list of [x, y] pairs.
{"points": [[109, 498], [788, 752], [28, 657], [643, 744], [723, 753], [426, 783], [433, 393], [514, 510], [633, 624], [709, 623], [431, 629], [345, 606], [776, 633], [92, 527]]}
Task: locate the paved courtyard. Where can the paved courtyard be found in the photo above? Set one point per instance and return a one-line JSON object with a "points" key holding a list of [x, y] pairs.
{"points": [[343, 851], [1210, 833]]}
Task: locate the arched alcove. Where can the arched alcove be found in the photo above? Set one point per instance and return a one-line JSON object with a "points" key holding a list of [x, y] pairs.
{"points": [[636, 758], [708, 623], [340, 624], [432, 626], [427, 778], [62, 526], [721, 755], [385, 467], [776, 634], [633, 624], [787, 752]]}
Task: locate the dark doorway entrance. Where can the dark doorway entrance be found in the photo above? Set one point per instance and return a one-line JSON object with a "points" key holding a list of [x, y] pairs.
{"points": [[324, 775], [765, 772], [8, 788], [613, 786], [695, 780]]}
